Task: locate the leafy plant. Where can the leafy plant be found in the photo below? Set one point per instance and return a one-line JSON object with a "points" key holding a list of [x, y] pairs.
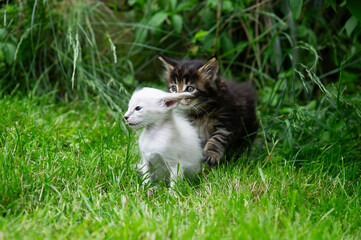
{"points": [[57, 46]]}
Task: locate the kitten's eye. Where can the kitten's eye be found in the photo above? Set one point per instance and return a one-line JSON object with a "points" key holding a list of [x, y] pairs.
{"points": [[190, 89], [173, 88], [137, 108]]}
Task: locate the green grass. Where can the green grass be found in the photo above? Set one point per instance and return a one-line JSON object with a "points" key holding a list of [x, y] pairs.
{"points": [[66, 70], [66, 172]]}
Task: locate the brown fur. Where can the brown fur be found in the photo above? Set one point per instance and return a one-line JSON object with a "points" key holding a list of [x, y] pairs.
{"points": [[223, 111]]}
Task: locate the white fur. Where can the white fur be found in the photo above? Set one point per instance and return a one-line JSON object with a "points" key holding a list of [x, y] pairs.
{"points": [[169, 144]]}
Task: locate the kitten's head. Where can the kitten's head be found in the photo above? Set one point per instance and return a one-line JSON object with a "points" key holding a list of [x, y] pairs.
{"points": [[194, 76], [148, 106]]}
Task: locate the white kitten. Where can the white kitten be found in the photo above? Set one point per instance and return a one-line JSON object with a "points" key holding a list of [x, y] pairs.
{"points": [[169, 144]]}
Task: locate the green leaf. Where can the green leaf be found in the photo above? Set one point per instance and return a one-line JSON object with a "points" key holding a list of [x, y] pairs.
{"points": [[133, 2], [351, 25], [331, 3], [3, 33], [354, 6], [182, 6], [158, 19], [173, 4], [307, 33], [199, 36], [9, 52], [177, 23], [141, 33], [241, 46], [212, 4], [227, 6], [296, 7], [227, 45]]}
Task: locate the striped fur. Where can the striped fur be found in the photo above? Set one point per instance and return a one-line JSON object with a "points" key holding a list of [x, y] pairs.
{"points": [[222, 111]]}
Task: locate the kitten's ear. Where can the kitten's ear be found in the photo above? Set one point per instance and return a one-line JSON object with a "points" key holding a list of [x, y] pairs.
{"points": [[210, 68], [168, 63], [171, 100], [170, 103]]}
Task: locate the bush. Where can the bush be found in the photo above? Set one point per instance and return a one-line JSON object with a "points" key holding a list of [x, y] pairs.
{"points": [[62, 46]]}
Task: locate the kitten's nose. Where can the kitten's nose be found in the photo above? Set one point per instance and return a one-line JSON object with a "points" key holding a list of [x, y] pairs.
{"points": [[126, 117]]}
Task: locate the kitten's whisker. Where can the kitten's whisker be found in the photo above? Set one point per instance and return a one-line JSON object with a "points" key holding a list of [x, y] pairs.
{"points": [[199, 109], [195, 109]]}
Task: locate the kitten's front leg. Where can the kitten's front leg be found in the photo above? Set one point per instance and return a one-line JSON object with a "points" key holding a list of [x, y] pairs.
{"points": [[144, 169], [213, 151], [176, 174], [146, 172]]}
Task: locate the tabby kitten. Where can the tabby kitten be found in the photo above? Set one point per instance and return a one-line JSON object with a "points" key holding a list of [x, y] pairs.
{"points": [[222, 111]]}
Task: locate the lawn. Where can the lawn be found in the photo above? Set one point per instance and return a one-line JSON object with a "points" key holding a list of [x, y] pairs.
{"points": [[66, 172], [68, 68]]}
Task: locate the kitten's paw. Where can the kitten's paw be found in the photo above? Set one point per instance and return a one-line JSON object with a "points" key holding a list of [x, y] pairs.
{"points": [[151, 192], [140, 168], [172, 192], [212, 158]]}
